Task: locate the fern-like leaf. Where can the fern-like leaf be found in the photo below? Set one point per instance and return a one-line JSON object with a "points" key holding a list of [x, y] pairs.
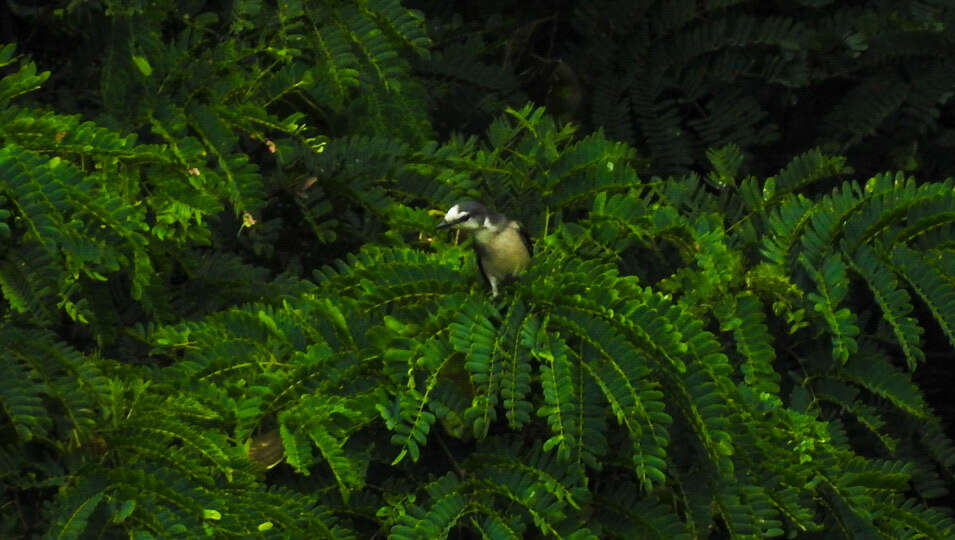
{"points": [[930, 283], [22, 402], [25, 80], [831, 282], [875, 372], [410, 421], [753, 341], [894, 302], [73, 512], [448, 506], [474, 336]]}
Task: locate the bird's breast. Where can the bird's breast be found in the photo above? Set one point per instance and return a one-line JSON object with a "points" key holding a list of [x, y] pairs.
{"points": [[502, 252]]}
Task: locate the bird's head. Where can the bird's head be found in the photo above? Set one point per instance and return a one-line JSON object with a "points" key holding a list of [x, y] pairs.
{"points": [[466, 215]]}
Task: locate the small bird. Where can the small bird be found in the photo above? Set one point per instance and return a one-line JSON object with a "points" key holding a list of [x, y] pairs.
{"points": [[503, 248]]}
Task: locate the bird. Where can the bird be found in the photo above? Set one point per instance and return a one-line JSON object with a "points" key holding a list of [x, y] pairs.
{"points": [[502, 246]]}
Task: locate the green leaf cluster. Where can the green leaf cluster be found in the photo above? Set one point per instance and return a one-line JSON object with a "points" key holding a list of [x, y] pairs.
{"points": [[675, 78], [226, 313]]}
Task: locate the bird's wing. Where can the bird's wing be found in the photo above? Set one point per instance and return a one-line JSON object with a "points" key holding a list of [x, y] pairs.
{"points": [[527, 239], [479, 254]]}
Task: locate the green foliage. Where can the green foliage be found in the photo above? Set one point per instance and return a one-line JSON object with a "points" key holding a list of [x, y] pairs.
{"points": [[226, 312], [678, 78]]}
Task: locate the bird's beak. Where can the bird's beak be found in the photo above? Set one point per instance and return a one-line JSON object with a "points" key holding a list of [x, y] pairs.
{"points": [[443, 225]]}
